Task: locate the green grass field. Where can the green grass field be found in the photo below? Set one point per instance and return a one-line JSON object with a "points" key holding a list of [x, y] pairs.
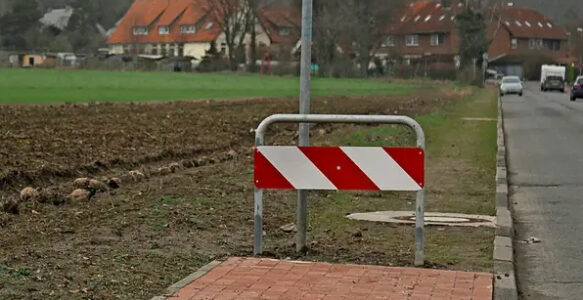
{"points": [[50, 86]]}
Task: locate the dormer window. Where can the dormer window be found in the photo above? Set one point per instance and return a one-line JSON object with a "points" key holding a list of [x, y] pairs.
{"points": [[163, 30], [187, 29], [140, 30], [284, 31]]}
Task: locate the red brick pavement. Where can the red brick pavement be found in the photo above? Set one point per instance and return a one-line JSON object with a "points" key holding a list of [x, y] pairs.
{"points": [[251, 278]]}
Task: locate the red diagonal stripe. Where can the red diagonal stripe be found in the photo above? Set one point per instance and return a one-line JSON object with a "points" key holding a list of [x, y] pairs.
{"points": [[339, 168], [412, 160], [266, 176]]}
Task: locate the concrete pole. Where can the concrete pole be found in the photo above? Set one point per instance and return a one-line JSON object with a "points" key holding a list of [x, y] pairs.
{"points": [[305, 104]]}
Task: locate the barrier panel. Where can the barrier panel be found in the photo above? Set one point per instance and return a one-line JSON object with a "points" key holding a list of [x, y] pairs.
{"points": [[340, 168]]}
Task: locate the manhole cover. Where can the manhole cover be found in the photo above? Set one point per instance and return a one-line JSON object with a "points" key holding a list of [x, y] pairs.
{"points": [[446, 219], [431, 218]]}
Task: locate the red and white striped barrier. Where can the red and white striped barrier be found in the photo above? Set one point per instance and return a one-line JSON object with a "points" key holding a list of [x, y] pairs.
{"points": [[339, 168]]}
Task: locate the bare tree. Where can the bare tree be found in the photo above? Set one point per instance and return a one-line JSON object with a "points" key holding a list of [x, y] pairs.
{"points": [[233, 18], [329, 27], [253, 21], [367, 21]]}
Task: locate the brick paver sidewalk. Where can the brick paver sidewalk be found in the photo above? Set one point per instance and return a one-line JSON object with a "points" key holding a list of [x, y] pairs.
{"points": [[251, 278]]}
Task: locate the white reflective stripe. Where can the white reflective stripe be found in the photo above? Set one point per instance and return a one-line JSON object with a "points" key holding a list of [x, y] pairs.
{"points": [[296, 168], [381, 168]]}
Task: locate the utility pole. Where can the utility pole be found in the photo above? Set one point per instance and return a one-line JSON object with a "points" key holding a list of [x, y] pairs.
{"points": [[304, 128], [580, 45]]}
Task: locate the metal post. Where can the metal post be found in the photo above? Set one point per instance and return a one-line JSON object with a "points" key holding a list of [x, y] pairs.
{"points": [[304, 128], [258, 214], [420, 228]]}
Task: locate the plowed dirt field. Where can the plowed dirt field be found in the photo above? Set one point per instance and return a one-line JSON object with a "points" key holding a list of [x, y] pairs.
{"points": [[192, 204]]}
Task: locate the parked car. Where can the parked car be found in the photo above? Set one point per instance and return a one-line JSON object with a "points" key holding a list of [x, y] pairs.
{"points": [[511, 85], [554, 83], [577, 89]]}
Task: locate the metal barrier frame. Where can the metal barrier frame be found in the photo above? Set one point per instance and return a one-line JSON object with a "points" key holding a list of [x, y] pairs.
{"points": [[348, 119]]}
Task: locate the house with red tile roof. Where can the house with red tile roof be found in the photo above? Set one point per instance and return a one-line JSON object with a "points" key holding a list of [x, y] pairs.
{"points": [[166, 28], [188, 27], [518, 34], [282, 23], [426, 35]]}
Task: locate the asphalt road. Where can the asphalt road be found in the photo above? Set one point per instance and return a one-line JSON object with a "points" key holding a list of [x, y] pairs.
{"points": [[545, 146]]}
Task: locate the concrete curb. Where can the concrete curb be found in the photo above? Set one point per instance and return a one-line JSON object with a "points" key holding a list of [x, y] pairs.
{"points": [[504, 277], [184, 282]]}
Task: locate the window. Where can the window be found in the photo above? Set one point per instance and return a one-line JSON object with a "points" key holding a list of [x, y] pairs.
{"points": [[511, 79], [223, 48], [181, 50], [555, 45], [531, 43], [539, 43], [389, 42], [437, 39], [412, 40], [154, 50], [208, 26], [171, 50], [284, 31], [141, 30], [163, 30], [514, 43], [164, 50], [187, 29]]}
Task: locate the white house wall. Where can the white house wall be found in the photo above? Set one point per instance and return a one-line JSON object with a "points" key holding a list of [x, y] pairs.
{"points": [[196, 50], [115, 49]]}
